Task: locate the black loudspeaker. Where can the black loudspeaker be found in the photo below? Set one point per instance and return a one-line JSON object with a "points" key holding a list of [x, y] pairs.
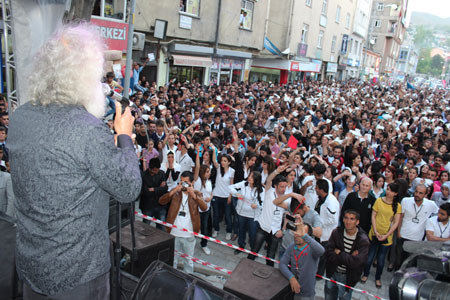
{"points": [[151, 244], [161, 281], [125, 215], [8, 276], [252, 280]]}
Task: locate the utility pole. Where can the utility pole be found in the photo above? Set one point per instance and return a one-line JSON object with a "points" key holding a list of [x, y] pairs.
{"points": [[129, 49]]}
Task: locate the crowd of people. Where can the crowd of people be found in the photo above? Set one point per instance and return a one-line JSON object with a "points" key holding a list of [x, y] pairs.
{"points": [[363, 167]]}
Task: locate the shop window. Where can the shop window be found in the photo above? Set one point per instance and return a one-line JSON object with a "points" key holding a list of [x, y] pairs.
{"points": [[191, 7], [246, 16], [186, 73], [114, 9]]}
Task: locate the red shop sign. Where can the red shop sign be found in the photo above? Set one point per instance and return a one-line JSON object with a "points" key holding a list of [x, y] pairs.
{"points": [[115, 33]]}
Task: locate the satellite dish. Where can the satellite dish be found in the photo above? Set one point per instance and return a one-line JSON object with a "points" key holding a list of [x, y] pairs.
{"points": [[372, 42]]}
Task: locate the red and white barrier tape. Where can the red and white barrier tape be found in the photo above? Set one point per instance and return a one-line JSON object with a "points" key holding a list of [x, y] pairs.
{"points": [[208, 264], [205, 263], [204, 237], [202, 262]]}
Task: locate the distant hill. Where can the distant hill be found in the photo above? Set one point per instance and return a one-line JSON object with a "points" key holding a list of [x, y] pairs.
{"points": [[420, 18]]}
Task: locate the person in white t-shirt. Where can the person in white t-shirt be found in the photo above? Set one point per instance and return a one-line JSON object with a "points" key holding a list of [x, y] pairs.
{"points": [[415, 213], [203, 184], [185, 203], [437, 227], [171, 170], [309, 185], [328, 208], [271, 217], [169, 147], [221, 202], [250, 194], [183, 159]]}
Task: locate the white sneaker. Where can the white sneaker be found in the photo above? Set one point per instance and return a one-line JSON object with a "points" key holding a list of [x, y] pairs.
{"points": [[206, 250], [228, 236], [214, 235]]}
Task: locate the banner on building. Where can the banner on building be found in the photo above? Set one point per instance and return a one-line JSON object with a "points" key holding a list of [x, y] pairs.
{"points": [[271, 47]]}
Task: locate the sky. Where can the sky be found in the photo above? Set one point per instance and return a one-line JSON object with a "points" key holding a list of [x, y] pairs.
{"points": [[439, 8]]}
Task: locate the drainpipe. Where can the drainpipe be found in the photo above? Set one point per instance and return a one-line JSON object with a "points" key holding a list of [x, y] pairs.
{"points": [[217, 28]]}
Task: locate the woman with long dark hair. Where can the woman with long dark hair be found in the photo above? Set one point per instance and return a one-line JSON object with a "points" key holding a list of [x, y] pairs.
{"points": [[268, 166], [203, 184], [386, 214], [250, 194], [221, 201], [249, 163]]}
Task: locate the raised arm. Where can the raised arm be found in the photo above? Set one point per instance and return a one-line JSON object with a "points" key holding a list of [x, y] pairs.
{"points": [[272, 175]]}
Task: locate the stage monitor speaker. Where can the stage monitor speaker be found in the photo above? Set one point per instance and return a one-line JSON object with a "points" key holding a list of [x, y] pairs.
{"points": [[8, 276], [252, 280], [151, 244], [161, 281]]}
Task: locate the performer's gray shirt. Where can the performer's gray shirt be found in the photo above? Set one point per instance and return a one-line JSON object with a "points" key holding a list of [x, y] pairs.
{"points": [[64, 169]]}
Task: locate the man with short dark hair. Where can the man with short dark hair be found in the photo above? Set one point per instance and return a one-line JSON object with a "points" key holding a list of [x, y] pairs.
{"points": [[271, 217], [309, 185], [328, 209], [415, 213], [299, 262], [153, 187], [346, 254], [184, 213], [437, 228]]}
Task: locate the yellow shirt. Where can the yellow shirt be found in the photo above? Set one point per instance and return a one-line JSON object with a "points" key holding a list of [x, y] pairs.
{"points": [[384, 218]]}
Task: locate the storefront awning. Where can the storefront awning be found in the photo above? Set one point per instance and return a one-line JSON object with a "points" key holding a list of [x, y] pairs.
{"points": [[192, 61]]}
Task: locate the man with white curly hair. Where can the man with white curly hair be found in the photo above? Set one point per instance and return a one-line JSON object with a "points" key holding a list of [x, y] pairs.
{"points": [[65, 167]]}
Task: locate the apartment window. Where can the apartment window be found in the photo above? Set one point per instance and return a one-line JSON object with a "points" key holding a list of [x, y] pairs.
{"points": [[308, 3], [380, 6], [305, 30], [113, 9], [403, 54], [351, 46], [191, 7], [320, 39], [324, 7], [347, 21], [356, 47], [333, 44], [245, 19], [338, 14], [377, 23]]}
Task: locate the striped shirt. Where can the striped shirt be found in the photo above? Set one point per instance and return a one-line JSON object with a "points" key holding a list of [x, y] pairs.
{"points": [[348, 244]]}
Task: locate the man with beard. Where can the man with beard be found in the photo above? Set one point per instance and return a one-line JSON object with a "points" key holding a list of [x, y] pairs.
{"points": [[65, 168], [415, 213], [437, 227]]}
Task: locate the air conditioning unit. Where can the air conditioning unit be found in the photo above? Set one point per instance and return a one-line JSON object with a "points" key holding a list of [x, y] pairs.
{"points": [[138, 41]]}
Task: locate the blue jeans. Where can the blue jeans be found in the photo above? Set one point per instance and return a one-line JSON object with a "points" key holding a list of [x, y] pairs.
{"points": [[204, 216], [112, 106], [250, 225], [260, 238], [334, 291], [220, 207], [382, 251], [156, 212]]}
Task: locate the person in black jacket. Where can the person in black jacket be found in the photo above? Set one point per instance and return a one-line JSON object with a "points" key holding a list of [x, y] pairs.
{"points": [[361, 202], [153, 187], [346, 254]]}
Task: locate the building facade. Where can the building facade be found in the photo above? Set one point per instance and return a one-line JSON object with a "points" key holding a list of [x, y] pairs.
{"points": [[408, 58], [387, 31]]}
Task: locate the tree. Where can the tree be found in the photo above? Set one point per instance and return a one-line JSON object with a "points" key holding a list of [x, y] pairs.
{"points": [[437, 62], [423, 36]]}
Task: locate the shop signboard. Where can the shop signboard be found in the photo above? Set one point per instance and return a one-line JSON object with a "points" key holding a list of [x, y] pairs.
{"points": [[297, 66], [114, 32], [331, 67]]}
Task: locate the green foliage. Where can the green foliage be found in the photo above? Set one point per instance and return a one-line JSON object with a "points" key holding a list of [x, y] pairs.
{"points": [[423, 36], [429, 65]]}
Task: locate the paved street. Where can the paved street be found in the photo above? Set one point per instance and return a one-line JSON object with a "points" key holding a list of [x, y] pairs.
{"points": [[224, 257]]}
